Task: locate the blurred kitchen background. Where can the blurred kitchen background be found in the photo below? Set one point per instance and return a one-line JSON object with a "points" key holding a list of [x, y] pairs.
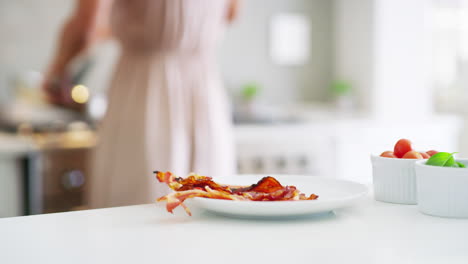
{"points": [[316, 87]]}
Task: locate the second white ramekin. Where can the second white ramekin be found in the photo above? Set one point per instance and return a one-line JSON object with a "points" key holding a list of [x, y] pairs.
{"points": [[442, 191]]}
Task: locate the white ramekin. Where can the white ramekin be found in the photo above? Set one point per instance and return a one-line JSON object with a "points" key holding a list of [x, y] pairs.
{"points": [[442, 191], [394, 180]]}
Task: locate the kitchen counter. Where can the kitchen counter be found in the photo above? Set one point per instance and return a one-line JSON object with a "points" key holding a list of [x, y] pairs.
{"points": [[371, 232]]}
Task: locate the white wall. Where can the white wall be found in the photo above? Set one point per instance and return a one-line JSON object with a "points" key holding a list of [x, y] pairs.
{"points": [[403, 64], [28, 31], [354, 50], [383, 47], [244, 53]]}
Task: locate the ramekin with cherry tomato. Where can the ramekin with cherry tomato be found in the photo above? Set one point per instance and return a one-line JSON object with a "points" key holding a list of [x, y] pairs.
{"points": [[403, 150]]}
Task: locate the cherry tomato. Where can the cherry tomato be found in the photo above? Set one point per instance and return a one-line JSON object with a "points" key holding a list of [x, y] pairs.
{"points": [[388, 154], [424, 155], [413, 154], [432, 152], [402, 147]]}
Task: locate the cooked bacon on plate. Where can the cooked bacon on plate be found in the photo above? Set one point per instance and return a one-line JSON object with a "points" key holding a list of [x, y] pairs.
{"points": [[267, 189]]}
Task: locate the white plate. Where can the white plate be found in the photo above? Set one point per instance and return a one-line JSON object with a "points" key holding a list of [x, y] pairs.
{"points": [[333, 194]]}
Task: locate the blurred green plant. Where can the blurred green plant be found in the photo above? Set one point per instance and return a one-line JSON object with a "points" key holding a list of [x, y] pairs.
{"points": [[250, 91], [340, 88]]}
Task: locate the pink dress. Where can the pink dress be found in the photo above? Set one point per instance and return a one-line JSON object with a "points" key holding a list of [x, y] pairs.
{"points": [[167, 110]]}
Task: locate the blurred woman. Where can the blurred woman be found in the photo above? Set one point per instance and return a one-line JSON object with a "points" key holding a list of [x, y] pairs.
{"points": [[167, 107]]}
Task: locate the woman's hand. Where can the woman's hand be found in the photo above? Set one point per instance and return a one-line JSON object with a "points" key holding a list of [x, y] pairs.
{"points": [[55, 87], [78, 34], [58, 92], [233, 10]]}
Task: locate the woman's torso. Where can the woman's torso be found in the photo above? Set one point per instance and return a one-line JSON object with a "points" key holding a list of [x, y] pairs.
{"points": [[169, 26]]}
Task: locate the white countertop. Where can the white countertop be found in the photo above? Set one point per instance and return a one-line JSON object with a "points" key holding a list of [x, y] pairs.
{"points": [[371, 232]]}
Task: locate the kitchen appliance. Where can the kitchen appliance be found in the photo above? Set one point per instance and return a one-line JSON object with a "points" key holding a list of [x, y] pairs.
{"points": [[44, 172], [65, 175], [65, 168]]}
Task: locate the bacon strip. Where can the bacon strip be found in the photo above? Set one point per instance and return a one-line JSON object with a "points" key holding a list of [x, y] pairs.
{"points": [[267, 189]]}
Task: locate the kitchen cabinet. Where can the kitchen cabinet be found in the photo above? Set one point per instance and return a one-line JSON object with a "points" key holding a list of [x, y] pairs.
{"points": [[336, 147], [11, 185], [17, 157], [52, 178], [302, 148]]}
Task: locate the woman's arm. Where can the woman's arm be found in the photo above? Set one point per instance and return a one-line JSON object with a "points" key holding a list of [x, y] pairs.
{"points": [[80, 31]]}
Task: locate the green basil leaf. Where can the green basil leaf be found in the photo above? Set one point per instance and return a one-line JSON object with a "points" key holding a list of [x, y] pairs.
{"points": [[460, 165], [450, 162], [443, 159]]}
